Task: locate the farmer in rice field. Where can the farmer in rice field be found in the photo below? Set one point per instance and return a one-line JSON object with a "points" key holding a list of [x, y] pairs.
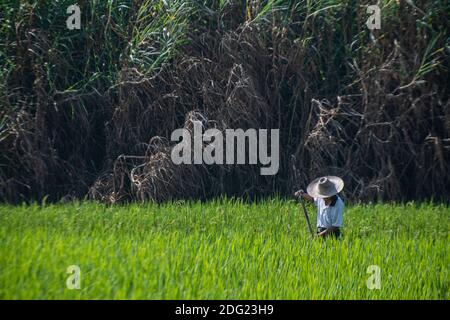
{"points": [[323, 192]]}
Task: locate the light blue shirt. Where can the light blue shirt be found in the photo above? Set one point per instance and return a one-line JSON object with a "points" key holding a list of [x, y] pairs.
{"points": [[329, 216]]}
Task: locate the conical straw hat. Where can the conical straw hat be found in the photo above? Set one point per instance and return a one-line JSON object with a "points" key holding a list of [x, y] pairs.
{"points": [[325, 187]]}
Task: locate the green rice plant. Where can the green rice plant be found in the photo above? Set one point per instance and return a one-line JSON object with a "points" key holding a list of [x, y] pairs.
{"points": [[222, 249]]}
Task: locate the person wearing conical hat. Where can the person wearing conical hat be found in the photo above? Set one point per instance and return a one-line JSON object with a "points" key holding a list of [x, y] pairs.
{"points": [[324, 192]]}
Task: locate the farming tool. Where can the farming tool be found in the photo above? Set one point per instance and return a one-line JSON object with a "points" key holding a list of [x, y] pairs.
{"points": [[306, 216], [305, 212]]}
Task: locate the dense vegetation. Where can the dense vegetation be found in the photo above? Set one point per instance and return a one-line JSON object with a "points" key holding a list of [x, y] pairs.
{"points": [[221, 250], [90, 111]]}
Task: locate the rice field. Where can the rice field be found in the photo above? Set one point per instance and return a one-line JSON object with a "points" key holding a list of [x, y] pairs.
{"points": [[222, 249]]}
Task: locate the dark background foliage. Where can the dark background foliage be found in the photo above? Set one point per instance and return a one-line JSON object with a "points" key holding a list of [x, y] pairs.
{"points": [[89, 112]]}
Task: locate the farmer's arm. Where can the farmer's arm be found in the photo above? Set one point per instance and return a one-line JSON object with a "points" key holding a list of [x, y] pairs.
{"points": [[327, 231], [301, 193]]}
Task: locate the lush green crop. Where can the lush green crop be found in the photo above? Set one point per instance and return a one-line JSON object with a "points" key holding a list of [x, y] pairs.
{"points": [[221, 250]]}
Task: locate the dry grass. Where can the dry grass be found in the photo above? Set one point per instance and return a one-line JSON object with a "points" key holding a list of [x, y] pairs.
{"points": [[91, 112]]}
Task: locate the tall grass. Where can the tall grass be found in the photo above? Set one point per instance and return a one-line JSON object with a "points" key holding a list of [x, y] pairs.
{"points": [[223, 249], [348, 101]]}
